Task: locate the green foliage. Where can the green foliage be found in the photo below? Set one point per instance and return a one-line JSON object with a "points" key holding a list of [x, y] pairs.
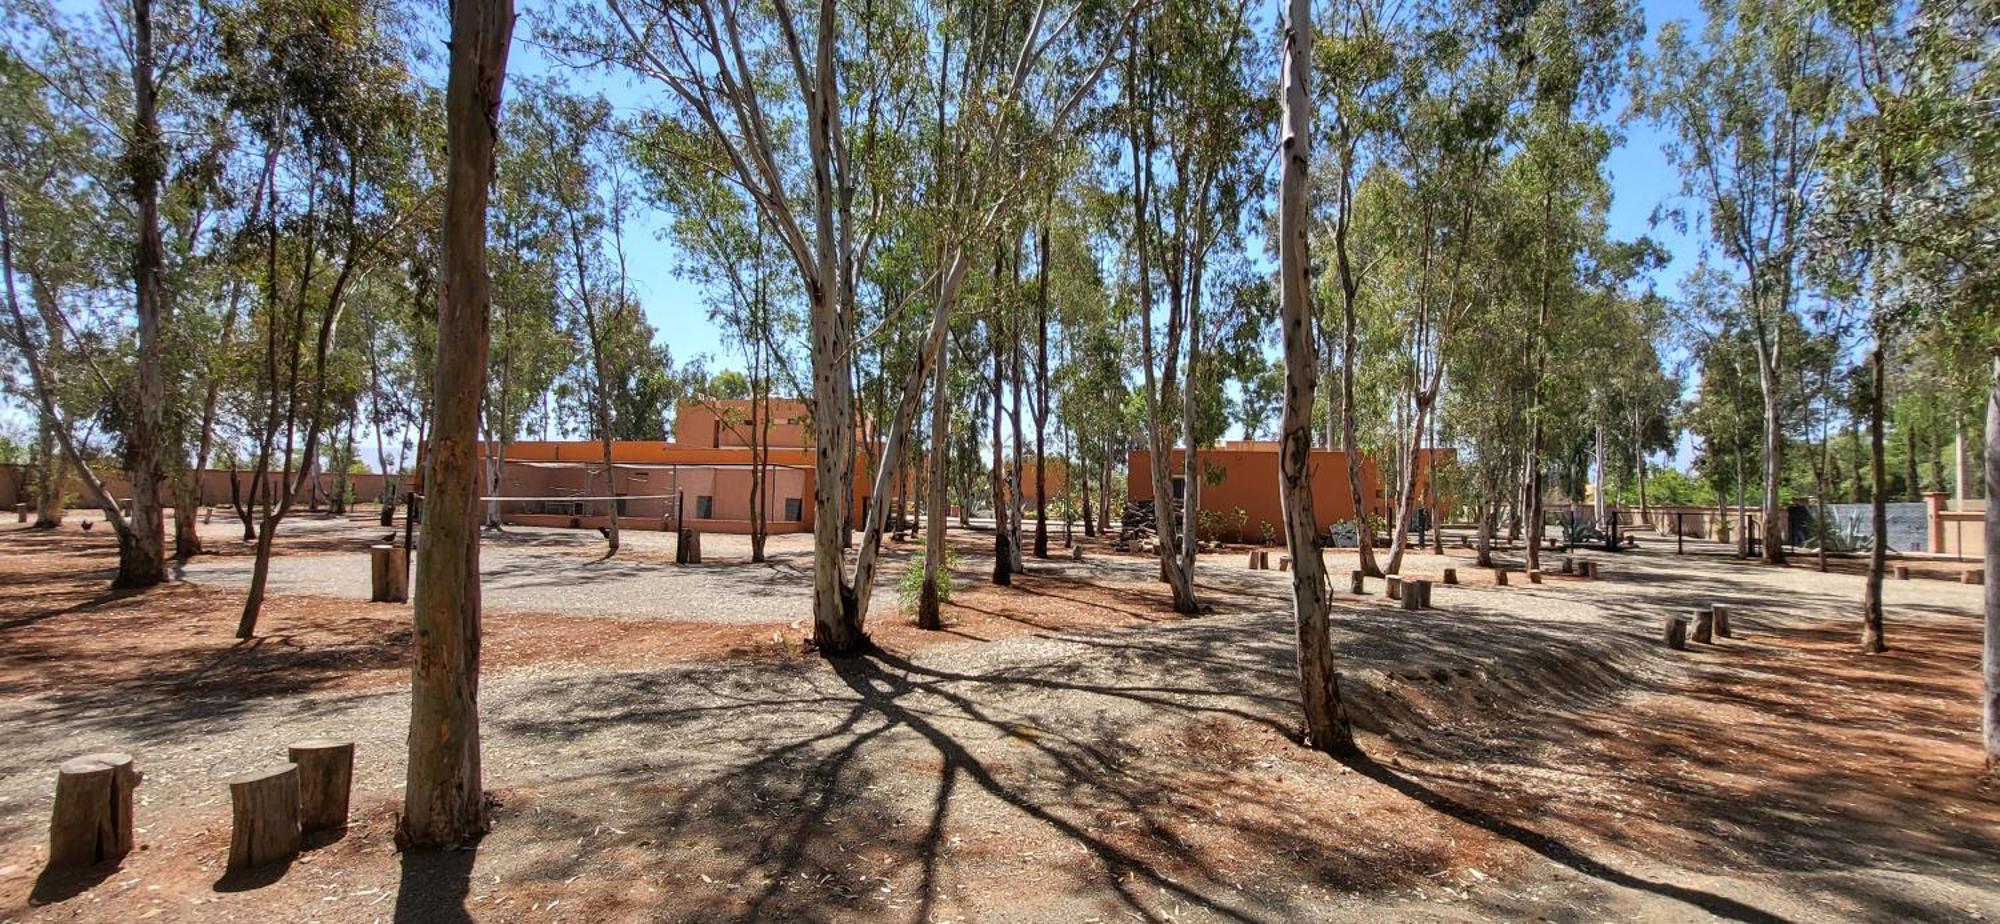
{"points": [[910, 586]]}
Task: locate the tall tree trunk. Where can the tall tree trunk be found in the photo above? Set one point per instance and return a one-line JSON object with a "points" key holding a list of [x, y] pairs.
{"points": [[49, 477], [1003, 556], [444, 804], [1319, 682], [1872, 641], [1990, 650], [142, 549], [1042, 402], [1913, 488], [1016, 502], [1350, 284], [929, 615], [1104, 493], [1157, 384], [1773, 545]]}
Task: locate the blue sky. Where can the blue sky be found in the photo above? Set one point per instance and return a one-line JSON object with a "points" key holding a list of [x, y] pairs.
{"points": [[1642, 178]]}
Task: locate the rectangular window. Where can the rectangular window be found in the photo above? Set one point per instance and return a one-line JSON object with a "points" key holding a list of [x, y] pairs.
{"points": [[704, 507], [794, 509]]}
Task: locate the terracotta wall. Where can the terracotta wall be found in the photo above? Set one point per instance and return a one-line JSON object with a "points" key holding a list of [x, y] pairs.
{"points": [[733, 493], [1247, 478], [721, 424], [16, 486], [1957, 528]]}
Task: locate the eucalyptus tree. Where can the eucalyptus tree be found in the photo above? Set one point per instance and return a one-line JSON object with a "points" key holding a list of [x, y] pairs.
{"points": [[735, 262], [1359, 70], [1910, 168], [58, 216], [1325, 714], [330, 92], [121, 74], [784, 107], [444, 802], [1193, 108], [531, 345], [1751, 100], [566, 149]]}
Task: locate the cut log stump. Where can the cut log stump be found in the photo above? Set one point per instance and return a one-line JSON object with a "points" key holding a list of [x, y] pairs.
{"points": [[1499, 577], [1451, 575], [1677, 633], [1076, 553], [1422, 591], [1974, 576], [1534, 575], [1411, 598], [1902, 572], [20, 513], [1284, 563], [1704, 626], [326, 778], [1568, 565], [264, 817], [687, 548], [1357, 581], [388, 573], [92, 821], [1719, 615], [1395, 582]]}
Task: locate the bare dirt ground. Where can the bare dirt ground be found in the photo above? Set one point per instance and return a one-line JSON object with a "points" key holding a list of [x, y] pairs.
{"points": [[1067, 750]]}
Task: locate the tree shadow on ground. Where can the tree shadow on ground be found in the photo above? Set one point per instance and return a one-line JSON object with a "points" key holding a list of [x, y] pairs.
{"points": [[433, 886]]}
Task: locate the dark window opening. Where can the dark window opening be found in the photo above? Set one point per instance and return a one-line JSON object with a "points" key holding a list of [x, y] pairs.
{"points": [[704, 507], [794, 509]]}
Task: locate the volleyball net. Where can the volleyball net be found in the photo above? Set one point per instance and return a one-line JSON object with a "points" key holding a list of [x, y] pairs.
{"points": [[563, 509]]}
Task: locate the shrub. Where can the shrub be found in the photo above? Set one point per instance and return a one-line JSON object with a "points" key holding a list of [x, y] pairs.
{"points": [[910, 587]]}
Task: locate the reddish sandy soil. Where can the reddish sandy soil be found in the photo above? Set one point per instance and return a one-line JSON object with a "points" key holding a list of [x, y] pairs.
{"points": [[1067, 750]]}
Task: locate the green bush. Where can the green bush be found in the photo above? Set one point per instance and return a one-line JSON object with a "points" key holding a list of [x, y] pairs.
{"points": [[910, 587]]}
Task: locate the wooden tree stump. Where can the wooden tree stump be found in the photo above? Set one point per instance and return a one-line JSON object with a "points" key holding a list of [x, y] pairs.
{"points": [[20, 513], [1588, 569], [326, 778], [1499, 577], [1411, 598], [1568, 565], [1357, 581], [1677, 632], [1284, 563], [687, 548], [1974, 576], [1704, 626], [1534, 575], [92, 821], [1902, 572], [388, 574], [1395, 582], [1422, 590], [264, 817], [1719, 615], [1451, 575], [1076, 553]]}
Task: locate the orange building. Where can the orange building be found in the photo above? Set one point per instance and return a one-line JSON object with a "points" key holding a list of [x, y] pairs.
{"points": [[1242, 475], [701, 480]]}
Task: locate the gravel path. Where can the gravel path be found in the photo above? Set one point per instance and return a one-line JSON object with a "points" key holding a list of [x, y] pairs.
{"points": [[559, 571]]}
